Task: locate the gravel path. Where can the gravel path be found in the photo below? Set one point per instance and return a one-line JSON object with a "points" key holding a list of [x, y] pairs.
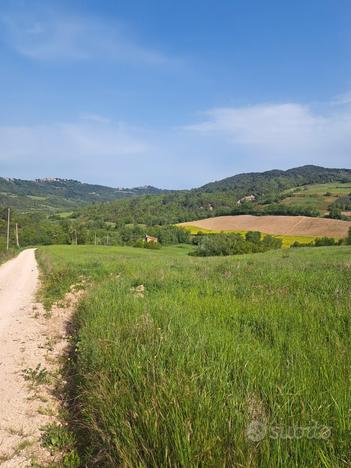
{"points": [[23, 337]]}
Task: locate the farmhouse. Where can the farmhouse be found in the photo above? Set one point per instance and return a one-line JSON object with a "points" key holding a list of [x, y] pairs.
{"points": [[247, 198], [150, 239]]}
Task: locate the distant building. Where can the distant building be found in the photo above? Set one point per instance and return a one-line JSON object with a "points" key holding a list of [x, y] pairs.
{"points": [[247, 198], [150, 239]]}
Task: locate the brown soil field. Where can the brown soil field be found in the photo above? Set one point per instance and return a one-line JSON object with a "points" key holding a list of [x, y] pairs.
{"points": [[279, 225]]}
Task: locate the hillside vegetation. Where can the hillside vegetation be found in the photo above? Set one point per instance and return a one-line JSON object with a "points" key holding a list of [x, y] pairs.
{"points": [[183, 361], [320, 196], [60, 194], [275, 181], [221, 198], [41, 221]]}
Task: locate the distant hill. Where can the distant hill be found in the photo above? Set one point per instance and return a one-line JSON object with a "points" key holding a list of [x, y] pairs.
{"points": [[276, 181], [150, 205], [268, 190], [61, 194]]}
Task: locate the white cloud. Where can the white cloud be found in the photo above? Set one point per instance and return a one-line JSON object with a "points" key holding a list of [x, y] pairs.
{"points": [[52, 36], [69, 142], [342, 99], [91, 117], [225, 142], [110, 153], [282, 131]]}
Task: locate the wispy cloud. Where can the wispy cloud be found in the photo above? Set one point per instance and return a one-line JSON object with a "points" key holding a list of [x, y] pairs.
{"points": [[102, 151], [226, 141], [52, 36], [342, 99], [91, 117], [287, 131], [65, 141]]}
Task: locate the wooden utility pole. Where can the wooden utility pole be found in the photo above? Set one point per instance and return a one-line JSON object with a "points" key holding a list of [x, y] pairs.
{"points": [[107, 239], [8, 229], [17, 238], [95, 239]]}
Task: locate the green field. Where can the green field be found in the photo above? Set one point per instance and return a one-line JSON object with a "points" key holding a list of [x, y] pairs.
{"points": [[236, 361], [317, 196]]}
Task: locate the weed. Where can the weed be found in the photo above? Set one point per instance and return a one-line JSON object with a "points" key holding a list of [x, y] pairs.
{"points": [[22, 446], [37, 376], [56, 437]]}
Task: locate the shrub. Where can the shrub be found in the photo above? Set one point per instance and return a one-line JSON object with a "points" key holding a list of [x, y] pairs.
{"points": [[234, 244], [253, 236], [325, 241], [335, 213], [302, 244], [269, 243], [141, 243]]}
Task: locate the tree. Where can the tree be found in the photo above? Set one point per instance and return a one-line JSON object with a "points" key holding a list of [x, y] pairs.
{"points": [[335, 213], [269, 242], [253, 236], [325, 241]]}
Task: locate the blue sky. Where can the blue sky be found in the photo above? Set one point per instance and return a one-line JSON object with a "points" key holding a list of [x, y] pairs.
{"points": [[172, 93]]}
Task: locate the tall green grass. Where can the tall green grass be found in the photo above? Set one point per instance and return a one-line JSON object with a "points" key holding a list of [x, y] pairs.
{"points": [[6, 255], [176, 376]]}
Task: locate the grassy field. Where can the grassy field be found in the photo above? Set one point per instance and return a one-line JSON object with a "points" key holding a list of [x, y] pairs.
{"points": [[183, 361], [318, 196]]}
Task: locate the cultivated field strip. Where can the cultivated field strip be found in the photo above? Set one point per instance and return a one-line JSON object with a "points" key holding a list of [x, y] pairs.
{"points": [[279, 225]]}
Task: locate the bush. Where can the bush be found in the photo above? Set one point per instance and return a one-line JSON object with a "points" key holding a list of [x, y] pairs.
{"points": [[343, 203], [302, 244], [320, 242], [269, 243], [253, 236], [152, 245], [234, 244], [141, 243], [335, 213], [325, 241]]}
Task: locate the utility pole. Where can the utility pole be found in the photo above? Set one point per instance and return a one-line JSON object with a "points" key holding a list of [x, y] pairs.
{"points": [[95, 239], [107, 239], [17, 238], [8, 229]]}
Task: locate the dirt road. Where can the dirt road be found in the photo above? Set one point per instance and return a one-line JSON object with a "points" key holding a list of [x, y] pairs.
{"points": [[22, 340]]}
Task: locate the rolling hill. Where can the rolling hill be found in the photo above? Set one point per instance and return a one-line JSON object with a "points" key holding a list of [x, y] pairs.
{"points": [[276, 181], [59, 211], [271, 190], [60, 194], [149, 204]]}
